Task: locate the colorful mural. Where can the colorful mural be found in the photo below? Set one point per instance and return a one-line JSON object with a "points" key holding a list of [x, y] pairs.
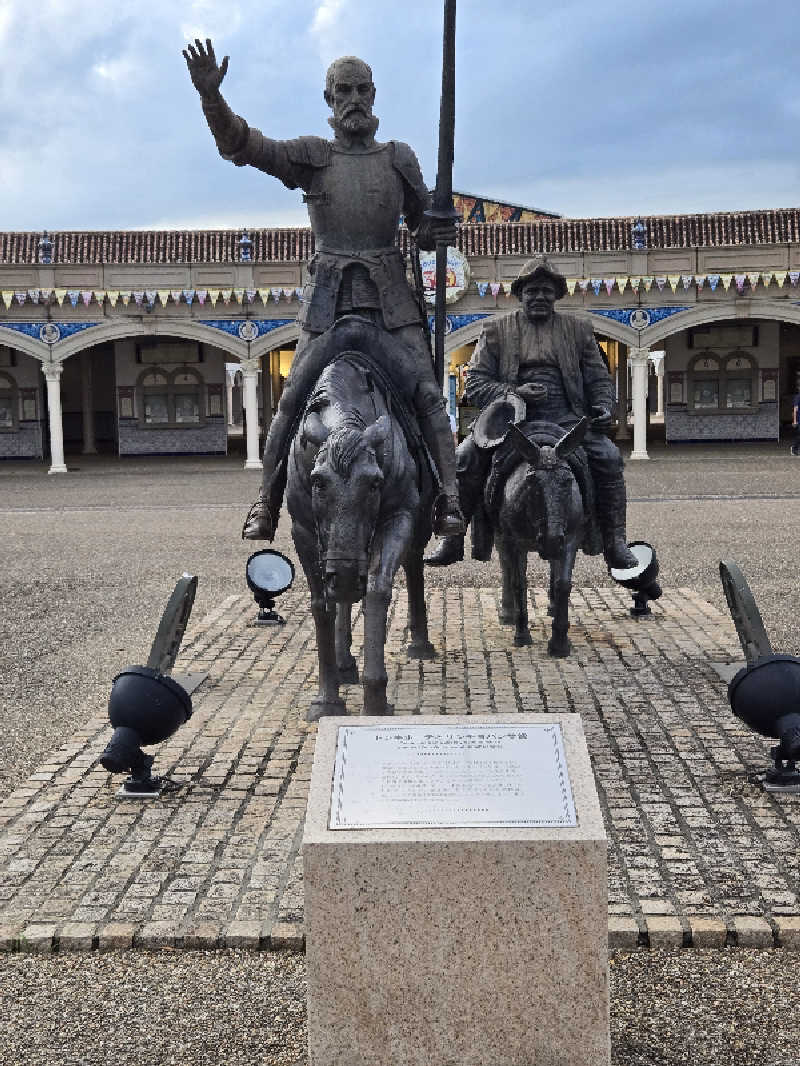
{"points": [[480, 209]]}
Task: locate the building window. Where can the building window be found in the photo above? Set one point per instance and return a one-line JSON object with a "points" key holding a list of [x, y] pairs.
{"points": [[170, 399], [9, 404], [722, 383]]}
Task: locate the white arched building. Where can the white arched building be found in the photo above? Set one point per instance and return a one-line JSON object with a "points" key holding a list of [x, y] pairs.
{"points": [[120, 340]]}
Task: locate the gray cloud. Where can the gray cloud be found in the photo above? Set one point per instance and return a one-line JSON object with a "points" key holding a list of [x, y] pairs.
{"points": [[583, 108]]}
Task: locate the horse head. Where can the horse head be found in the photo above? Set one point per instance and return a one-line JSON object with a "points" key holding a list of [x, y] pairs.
{"points": [[346, 483], [549, 482]]}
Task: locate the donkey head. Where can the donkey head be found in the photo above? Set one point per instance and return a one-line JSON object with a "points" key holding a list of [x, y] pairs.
{"points": [[549, 481], [346, 484]]}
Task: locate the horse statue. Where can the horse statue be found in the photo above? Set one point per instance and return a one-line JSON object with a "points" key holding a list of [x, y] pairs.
{"points": [[360, 504], [540, 507]]}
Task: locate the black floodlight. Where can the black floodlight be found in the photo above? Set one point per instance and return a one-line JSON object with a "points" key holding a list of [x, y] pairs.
{"points": [[640, 579], [766, 696], [269, 574], [146, 706]]}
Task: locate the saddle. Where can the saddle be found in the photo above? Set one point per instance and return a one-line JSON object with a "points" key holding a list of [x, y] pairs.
{"points": [[506, 459]]}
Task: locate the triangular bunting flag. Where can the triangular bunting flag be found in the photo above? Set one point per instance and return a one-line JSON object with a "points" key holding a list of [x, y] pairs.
{"points": [[21, 297], [507, 287], [276, 295], [780, 277], [648, 283], [609, 284], [188, 295], [766, 278], [753, 280], [226, 295], [33, 294], [700, 280], [74, 296], [622, 284], [151, 295], [634, 283], [661, 282], [571, 285], [482, 288], [113, 296], [596, 283], [8, 297], [686, 281], [126, 298], [740, 279], [298, 293], [673, 280], [583, 283], [238, 295], [494, 288], [726, 280], [176, 295], [163, 297], [138, 298], [794, 276], [713, 281], [201, 295], [60, 296], [87, 298]]}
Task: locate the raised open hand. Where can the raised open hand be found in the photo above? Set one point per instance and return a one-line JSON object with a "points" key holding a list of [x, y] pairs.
{"points": [[202, 63]]}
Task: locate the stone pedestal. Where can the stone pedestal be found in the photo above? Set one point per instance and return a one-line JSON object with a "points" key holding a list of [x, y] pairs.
{"points": [[458, 946]]}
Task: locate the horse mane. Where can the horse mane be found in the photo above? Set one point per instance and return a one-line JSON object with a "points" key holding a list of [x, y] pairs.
{"points": [[343, 445]]}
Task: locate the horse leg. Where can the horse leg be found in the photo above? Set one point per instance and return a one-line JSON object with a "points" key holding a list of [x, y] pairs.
{"points": [[420, 646], [561, 583], [507, 613], [345, 663], [551, 595], [374, 678], [328, 700]]}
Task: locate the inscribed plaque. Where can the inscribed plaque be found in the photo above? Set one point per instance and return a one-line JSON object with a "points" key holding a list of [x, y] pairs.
{"points": [[404, 777]]}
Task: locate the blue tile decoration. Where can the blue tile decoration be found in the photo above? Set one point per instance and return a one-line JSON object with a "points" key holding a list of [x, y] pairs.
{"points": [[638, 317], [58, 331], [248, 329], [456, 322]]}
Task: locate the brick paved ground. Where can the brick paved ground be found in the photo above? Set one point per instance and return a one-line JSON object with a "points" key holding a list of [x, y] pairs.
{"points": [[698, 853]]}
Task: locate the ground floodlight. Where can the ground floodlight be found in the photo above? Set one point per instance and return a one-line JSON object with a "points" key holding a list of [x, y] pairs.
{"points": [[766, 697], [269, 574], [640, 580], [146, 706]]}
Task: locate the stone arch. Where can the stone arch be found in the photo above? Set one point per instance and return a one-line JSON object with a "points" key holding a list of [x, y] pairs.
{"points": [[702, 315], [119, 329], [276, 338], [21, 342], [616, 331]]}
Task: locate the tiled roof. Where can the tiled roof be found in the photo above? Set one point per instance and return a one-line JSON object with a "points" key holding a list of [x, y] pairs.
{"points": [[295, 245]]}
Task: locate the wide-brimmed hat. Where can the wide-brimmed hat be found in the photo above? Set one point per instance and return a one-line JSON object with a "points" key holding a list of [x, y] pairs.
{"points": [[492, 424], [539, 266]]}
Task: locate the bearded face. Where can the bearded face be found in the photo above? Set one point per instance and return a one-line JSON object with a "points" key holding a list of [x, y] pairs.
{"points": [[350, 94]]}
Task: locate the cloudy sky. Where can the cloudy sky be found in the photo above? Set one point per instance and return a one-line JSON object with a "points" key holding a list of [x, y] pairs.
{"points": [[585, 107]]}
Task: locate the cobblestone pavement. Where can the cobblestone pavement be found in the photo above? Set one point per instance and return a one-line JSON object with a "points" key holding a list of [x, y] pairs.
{"points": [[699, 854]]}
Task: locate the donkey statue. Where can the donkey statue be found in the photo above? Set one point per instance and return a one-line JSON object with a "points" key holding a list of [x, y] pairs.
{"points": [[360, 504], [541, 509]]}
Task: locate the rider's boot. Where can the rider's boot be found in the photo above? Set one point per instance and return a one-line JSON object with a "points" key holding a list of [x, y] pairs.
{"points": [[611, 511], [469, 472], [448, 521], [262, 518]]}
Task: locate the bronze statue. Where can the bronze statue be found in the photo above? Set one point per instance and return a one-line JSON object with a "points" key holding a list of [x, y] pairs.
{"points": [[548, 364], [356, 189]]}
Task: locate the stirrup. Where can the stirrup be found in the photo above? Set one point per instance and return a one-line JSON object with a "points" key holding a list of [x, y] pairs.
{"points": [[447, 518], [259, 524]]}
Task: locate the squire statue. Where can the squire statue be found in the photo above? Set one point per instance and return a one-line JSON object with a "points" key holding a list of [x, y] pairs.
{"points": [[356, 189], [546, 366]]}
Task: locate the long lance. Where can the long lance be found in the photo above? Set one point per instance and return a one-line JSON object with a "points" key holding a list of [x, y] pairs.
{"points": [[442, 206]]}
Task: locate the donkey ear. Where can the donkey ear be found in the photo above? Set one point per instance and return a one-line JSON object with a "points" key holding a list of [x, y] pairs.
{"points": [[314, 429], [571, 440], [378, 432], [528, 449]]}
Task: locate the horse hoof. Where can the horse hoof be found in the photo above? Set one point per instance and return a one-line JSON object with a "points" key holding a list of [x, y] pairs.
{"points": [[506, 618], [386, 709], [422, 650], [558, 650], [324, 708], [522, 640], [348, 675]]}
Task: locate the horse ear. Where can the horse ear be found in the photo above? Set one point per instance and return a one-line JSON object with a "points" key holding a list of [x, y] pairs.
{"points": [[315, 430], [571, 440], [378, 432], [528, 449]]}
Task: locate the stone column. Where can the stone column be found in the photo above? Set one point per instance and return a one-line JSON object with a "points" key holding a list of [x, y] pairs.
{"points": [[622, 392], [638, 359], [52, 373], [657, 359], [229, 395], [250, 375], [87, 406]]}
